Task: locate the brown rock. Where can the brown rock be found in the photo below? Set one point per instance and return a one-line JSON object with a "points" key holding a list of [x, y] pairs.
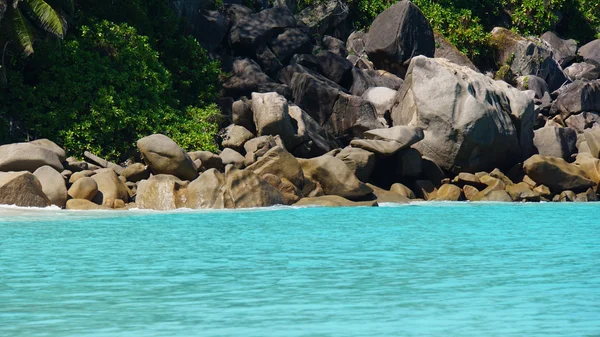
{"points": [[208, 191], [53, 185], [281, 163], [110, 188], [522, 191], [161, 192], [84, 205], [449, 192], [557, 174], [403, 191], [334, 176], [470, 192], [384, 196], [425, 189], [83, 188], [334, 201], [247, 190], [135, 172], [164, 156], [22, 189]]}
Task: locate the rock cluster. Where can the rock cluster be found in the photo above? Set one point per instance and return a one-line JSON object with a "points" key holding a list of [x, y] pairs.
{"points": [[392, 115]]}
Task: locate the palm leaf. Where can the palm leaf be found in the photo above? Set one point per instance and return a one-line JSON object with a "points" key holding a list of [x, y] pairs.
{"points": [[22, 30], [47, 17]]}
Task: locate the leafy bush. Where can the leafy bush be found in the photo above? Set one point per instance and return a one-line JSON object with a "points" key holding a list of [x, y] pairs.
{"points": [[466, 23], [106, 88]]}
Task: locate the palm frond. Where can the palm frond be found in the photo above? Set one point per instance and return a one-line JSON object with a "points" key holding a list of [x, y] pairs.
{"points": [[47, 17], [22, 30]]}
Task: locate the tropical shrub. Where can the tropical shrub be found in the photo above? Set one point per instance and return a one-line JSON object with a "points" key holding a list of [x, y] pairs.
{"points": [[106, 88]]}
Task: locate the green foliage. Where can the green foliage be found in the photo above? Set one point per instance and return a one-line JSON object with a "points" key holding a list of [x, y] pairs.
{"points": [[467, 23], [106, 88]]}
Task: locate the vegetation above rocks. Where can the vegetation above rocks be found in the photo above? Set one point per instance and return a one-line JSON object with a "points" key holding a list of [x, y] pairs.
{"points": [[467, 23], [111, 83]]}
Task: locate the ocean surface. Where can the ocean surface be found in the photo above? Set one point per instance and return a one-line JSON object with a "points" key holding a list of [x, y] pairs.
{"points": [[437, 269]]}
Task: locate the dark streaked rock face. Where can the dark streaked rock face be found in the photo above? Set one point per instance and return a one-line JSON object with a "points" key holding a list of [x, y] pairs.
{"points": [[398, 34], [483, 125], [556, 141]]}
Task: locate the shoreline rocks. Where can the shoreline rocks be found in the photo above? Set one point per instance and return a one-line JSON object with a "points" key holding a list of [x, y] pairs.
{"points": [[393, 114]]}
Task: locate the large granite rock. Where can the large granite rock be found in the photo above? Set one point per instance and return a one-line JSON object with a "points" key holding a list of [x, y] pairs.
{"points": [[208, 191], [252, 30], [340, 114], [336, 46], [557, 174], [22, 189], [271, 117], [577, 97], [257, 147], [248, 77], [398, 34], [279, 162], [335, 68], [247, 190], [289, 43], [563, 51], [556, 141], [323, 16], [83, 188], [589, 70], [351, 117], [235, 136], [527, 56], [110, 188], [161, 192], [590, 51], [382, 99], [27, 157], [53, 185], [232, 157], [50, 145], [360, 162], [471, 123], [164, 156], [334, 177], [135, 172], [315, 141]]}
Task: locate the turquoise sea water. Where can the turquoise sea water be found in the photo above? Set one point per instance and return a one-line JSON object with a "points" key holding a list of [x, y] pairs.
{"points": [[417, 270]]}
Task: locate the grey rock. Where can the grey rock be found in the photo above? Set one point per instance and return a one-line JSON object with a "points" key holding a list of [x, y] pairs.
{"points": [[577, 97], [556, 141], [398, 34], [164, 156], [323, 16], [483, 125], [27, 157], [53, 185], [590, 51], [564, 51], [230, 156]]}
